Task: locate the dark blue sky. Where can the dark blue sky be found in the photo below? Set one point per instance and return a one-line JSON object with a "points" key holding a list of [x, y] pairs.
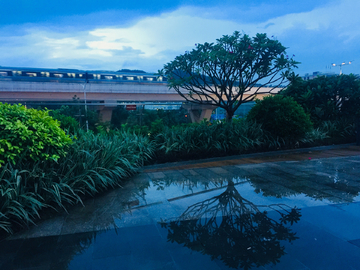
{"points": [[45, 11]]}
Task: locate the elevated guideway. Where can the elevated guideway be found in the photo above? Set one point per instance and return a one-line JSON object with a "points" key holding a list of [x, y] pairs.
{"points": [[103, 91]]}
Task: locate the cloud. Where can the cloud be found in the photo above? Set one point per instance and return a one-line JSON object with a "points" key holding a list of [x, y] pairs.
{"points": [[339, 17], [151, 41]]}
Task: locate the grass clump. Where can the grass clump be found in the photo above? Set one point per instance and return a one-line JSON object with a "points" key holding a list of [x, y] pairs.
{"points": [[93, 164], [203, 140]]}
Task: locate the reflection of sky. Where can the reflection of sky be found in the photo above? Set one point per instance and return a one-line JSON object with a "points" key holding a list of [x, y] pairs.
{"points": [[112, 35]]}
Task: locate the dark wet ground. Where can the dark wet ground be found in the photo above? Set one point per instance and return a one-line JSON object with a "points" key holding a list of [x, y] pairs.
{"points": [[289, 210]]}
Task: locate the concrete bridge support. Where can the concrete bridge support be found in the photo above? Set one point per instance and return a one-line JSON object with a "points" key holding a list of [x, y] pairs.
{"points": [[199, 112], [105, 111]]}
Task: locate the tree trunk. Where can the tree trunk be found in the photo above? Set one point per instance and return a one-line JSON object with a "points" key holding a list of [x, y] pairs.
{"points": [[229, 116]]}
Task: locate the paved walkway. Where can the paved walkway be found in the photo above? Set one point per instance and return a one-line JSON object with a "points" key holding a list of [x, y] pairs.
{"points": [[273, 156], [297, 209]]}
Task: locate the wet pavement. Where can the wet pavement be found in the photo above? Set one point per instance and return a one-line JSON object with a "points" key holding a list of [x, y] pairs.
{"points": [[296, 209]]}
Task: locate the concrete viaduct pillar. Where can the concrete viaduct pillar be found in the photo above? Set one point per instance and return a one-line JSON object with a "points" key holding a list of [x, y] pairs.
{"points": [[105, 111], [199, 112]]}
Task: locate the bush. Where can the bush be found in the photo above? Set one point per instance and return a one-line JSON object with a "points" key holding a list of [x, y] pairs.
{"points": [[327, 98], [281, 116], [30, 134], [67, 123], [205, 139], [94, 163]]}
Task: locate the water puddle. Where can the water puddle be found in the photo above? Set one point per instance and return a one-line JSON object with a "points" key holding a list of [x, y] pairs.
{"points": [[284, 215]]}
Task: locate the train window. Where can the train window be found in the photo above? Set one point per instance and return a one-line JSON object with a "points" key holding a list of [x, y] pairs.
{"points": [[45, 74], [31, 74], [130, 78], [140, 77], [3, 73], [97, 76], [119, 77], [149, 78], [80, 75], [108, 77], [16, 73], [58, 75], [71, 75]]}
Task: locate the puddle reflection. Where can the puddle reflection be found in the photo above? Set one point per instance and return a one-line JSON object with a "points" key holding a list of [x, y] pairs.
{"points": [[234, 230], [318, 187]]}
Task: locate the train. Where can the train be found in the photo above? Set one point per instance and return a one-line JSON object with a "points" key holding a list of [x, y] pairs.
{"points": [[78, 76]]}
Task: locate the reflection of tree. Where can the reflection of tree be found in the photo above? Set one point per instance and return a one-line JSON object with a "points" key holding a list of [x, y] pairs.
{"points": [[70, 246], [192, 183], [233, 229]]}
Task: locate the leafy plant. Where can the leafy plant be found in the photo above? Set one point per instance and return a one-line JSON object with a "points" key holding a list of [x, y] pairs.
{"points": [[30, 134], [339, 131], [94, 163], [67, 123], [78, 112], [208, 139], [281, 116], [327, 98]]}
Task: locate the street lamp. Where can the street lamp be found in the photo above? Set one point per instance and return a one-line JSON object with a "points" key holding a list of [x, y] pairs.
{"points": [[84, 88], [341, 64]]}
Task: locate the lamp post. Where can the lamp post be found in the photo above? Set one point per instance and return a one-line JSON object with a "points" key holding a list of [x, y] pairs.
{"points": [[341, 64], [84, 89]]}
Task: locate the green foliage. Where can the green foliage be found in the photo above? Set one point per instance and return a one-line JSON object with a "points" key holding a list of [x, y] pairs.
{"points": [[119, 116], [67, 123], [30, 135], [78, 112], [156, 127], [339, 131], [93, 164], [100, 161], [327, 98], [143, 117], [281, 116], [204, 140], [229, 72]]}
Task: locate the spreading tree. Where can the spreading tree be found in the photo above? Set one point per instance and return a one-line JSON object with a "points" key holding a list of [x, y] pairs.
{"points": [[231, 71]]}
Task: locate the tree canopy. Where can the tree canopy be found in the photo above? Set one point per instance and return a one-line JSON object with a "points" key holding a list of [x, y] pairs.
{"points": [[229, 72], [327, 98]]}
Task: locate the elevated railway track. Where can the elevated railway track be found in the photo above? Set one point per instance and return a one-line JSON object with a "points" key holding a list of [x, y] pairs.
{"points": [[100, 90]]}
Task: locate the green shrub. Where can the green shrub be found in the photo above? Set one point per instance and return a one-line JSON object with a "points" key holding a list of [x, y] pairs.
{"points": [[78, 112], [339, 131], [205, 139], [30, 134], [281, 116], [94, 163], [97, 162], [67, 123], [327, 98]]}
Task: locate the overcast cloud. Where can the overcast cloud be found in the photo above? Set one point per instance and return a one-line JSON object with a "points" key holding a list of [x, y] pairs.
{"points": [[146, 39]]}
